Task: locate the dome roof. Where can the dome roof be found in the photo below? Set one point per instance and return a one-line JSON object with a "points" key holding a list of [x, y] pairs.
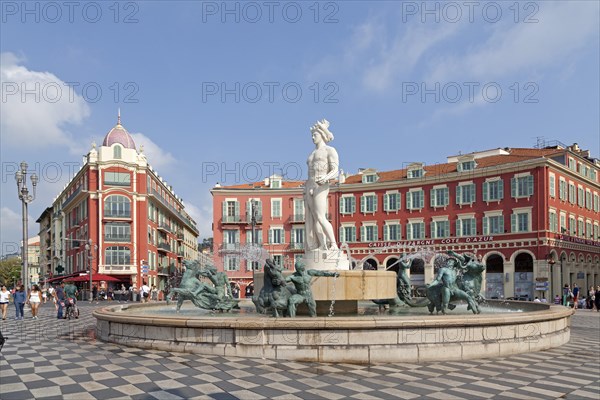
{"points": [[119, 135]]}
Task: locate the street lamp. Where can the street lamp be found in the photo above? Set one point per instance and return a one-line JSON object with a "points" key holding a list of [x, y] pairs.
{"points": [[26, 198], [88, 247]]}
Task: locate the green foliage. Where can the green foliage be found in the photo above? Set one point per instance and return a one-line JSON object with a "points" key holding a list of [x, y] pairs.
{"points": [[10, 271]]}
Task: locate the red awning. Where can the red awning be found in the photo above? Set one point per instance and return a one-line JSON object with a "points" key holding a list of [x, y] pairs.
{"points": [[95, 278]]}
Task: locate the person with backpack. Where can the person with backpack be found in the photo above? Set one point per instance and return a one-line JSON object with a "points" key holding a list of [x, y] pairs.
{"points": [[144, 292]]}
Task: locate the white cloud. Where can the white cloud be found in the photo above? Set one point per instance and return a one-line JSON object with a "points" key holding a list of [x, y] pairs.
{"points": [[203, 216], [563, 28], [38, 118], [156, 156], [401, 54], [11, 230]]}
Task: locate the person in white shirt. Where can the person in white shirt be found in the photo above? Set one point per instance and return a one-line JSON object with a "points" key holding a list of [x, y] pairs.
{"points": [[4, 300], [145, 292]]}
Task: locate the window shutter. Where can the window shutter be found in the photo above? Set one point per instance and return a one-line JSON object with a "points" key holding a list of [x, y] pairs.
{"points": [[447, 230], [513, 223], [485, 226], [386, 202], [433, 230], [362, 205], [386, 233], [293, 236], [501, 189], [342, 210], [432, 197], [397, 207], [446, 200], [513, 187], [422, 235], [353, 207], [421, 199], [459, 227], [409, 231], [458, 194], [473, 226], [375, 203], [237, 209], [530, 185], [375, 233], [224, 209], [486, 188], [354, 234], [341, 236], [248, 211], [362, 234], [270, 235], [409, 200], [473, 193]]}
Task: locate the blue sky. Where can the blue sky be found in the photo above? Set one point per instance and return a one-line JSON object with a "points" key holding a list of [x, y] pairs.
{"points": [[363, 65]]}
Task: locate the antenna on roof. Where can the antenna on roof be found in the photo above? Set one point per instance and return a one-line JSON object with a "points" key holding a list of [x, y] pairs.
{"points": [[540, 142]]}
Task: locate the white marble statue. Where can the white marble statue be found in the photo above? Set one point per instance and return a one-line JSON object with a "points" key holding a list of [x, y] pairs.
{"points": [[323, 165]]}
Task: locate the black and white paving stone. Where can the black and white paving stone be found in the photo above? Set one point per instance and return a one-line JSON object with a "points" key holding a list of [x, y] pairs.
{"points": [[59, 359]]}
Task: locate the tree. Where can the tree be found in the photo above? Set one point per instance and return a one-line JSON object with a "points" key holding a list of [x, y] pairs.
{"points": [[10, 271], [207, 244]]}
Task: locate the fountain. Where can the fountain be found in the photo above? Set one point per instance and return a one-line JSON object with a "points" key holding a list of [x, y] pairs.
{"points": [[341, 311]]}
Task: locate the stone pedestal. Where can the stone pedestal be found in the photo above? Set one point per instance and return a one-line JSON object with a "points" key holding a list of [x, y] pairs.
{"points": [[347, 289], [326, 260]]}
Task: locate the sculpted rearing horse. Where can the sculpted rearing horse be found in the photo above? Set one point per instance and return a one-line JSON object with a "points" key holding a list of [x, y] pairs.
{"points": [[274, 294]]}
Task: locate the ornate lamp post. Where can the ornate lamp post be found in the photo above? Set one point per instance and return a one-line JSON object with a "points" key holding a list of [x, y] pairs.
{"points": [[26, 198], [88, 247]]}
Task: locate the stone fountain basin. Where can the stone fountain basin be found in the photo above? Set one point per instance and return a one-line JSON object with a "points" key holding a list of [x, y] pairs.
{"points": [[357, 339]]}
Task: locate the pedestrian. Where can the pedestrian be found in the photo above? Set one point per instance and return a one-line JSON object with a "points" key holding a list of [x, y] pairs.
{"points": [[575, 296], [144, 292], [4, 300], [51, 291], [59, 296], [566, 294], [34, 299], [95, 293], [557, 299], [154, 293], [44, 294], [597, 298], [20, 297], [124, 293]]}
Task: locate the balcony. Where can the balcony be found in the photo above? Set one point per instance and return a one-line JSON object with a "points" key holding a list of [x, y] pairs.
{"points": [[180, 236], [162, 246], [117, 238], [297, 246], [297, 218], [258, 218], [180, 253], [164, 227], [233, 219], [173, 210], [117, 269], [230, 246]]}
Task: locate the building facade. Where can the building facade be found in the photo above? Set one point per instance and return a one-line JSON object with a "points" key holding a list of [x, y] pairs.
{"points": [[118, 216], [530, 215]]}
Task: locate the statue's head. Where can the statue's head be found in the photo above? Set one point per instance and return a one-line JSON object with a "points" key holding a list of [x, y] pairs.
{"points": [[322, 128], [300, 267]]}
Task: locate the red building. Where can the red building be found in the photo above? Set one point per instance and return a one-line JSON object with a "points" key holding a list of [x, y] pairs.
{"points": [[531, 215], [137, 225]]}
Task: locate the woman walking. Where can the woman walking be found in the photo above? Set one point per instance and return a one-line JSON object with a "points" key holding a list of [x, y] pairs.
{"points": [[35, 298], [20, 297], [4, 299]]}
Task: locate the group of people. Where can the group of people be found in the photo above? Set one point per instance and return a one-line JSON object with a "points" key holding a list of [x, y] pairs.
{"points": [[571, 297], [35, 297]]}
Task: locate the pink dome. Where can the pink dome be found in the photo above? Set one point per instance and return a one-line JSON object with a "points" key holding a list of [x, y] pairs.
{"points": [[119, 135]]}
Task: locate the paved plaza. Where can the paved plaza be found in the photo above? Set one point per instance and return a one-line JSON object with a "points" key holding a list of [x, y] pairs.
{"points": [[50, 358]]}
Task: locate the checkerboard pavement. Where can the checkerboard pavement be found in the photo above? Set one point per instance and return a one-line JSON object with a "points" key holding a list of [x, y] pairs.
{"points": [[50, 358]]}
